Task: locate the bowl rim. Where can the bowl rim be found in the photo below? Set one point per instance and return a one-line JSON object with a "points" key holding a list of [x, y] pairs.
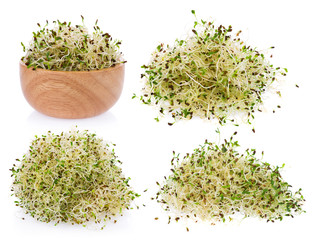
{"points": [[119, 65]]}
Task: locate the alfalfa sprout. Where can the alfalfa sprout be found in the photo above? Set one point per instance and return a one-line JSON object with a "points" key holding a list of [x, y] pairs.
{"points": [[212, 74], [73, 177], [67, 47], [217, 183]]}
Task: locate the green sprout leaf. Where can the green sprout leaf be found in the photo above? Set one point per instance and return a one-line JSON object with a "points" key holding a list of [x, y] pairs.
{"points": [[72, 177], [211, 74], [216, 181], [72, 48]]}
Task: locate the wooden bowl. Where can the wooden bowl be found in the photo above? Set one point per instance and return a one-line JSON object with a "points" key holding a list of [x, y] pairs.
{"points": [[72, 94]]}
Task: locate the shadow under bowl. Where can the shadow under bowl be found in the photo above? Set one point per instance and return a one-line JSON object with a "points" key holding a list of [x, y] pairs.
{"points": [[72, 94]]}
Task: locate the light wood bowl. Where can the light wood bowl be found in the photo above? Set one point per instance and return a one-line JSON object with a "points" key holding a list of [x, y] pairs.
{"points": [[72, 94]]}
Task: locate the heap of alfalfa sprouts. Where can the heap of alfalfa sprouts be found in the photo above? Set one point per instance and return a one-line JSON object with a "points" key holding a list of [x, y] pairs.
{"points": [[216, 183], [210, 74], [73, 177], [71, 48]]}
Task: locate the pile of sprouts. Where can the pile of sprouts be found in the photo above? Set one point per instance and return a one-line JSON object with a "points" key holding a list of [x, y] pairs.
{"points": [[210, 74], [74, 177], [71, 48], [216, 183]]}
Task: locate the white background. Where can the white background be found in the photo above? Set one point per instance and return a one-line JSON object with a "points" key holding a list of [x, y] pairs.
{"points": [[145, 146]]}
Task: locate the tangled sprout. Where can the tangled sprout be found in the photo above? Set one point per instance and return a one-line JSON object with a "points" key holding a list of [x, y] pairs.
{"points": [[71, 48], [73, 177], [210, 74], [215, 182]]}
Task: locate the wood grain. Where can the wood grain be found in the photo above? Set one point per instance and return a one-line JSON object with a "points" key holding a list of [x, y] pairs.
{"points": [[75, 94]]}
